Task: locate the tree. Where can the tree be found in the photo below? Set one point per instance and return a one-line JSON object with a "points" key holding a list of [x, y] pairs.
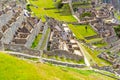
{"points": [[117, 30], [28, 7], [85, 14], [59, 4]]}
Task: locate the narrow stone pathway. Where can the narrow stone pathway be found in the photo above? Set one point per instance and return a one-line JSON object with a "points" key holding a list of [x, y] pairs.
{"points": [[85, 58]]}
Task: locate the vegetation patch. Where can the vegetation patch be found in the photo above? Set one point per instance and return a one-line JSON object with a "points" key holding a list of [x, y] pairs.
{"points": [[86, 14], [117, 15], [117, 30], [36, 41], [65, 11], [41, 12]]}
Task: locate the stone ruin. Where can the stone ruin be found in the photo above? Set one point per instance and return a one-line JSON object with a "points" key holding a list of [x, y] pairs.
{"points": [[103, 13], [61, 38], [114, 59], [81, 11], [101, 20], [17, 27], [105, 31], [26, 33]]}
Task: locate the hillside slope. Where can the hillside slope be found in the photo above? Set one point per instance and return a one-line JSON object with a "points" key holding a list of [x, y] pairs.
{"points": [[12, 68]]}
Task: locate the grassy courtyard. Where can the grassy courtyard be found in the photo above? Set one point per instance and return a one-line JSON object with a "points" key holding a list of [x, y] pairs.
{"points": [[80, 31], [42, 10], [12, 68]]}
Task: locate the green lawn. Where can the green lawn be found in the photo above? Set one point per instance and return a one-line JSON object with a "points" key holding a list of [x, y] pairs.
{"points": [[80, 32], [12, 68], [36, 41], [41, 12]]}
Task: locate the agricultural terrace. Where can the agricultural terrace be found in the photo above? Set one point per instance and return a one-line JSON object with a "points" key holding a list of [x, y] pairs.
{"points": [[40, 8]]}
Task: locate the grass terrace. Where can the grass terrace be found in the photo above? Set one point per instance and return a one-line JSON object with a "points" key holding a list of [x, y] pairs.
{"points": [[94, 40], [12, 68], [45, 39], [92, 57], [36, 41], [47, 7], [102, 44]]}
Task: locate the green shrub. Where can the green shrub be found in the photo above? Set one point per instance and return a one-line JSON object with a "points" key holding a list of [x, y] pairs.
{"points": [[85, 14], [117, 30], [59, 4], [28, 7]]}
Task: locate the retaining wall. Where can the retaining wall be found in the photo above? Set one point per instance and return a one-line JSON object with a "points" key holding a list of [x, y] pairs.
{"points": [[63, 63], [21, 49], [43, 36], [63, 54], [34, 33]]}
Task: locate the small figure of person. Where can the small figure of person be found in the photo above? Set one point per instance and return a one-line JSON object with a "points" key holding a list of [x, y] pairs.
{"points": [[86, 28]]}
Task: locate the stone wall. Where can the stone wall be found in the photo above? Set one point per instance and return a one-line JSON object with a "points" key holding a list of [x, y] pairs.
{"points": [[111, 39], [93, 36], [94, 28], [46, 44], [1, 46], [43, 36], [34, 33], [63, 63], [63, 54], [21, 55], [56, 62], [4, 18], [22, 49], [9, 33]]}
